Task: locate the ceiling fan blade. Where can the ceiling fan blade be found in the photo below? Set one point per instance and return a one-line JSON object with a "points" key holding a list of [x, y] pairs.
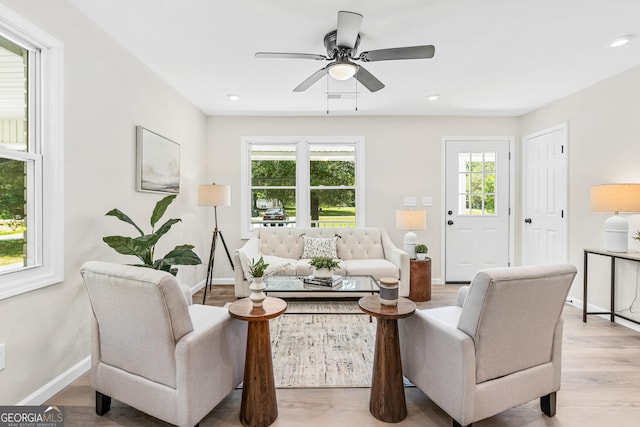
{"points": [[290, 55], [413, 52], [311, 80], [368, 80], [348, 29]]}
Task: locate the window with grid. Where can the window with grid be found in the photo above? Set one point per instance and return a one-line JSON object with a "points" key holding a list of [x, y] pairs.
{"points": [[477, 183]]}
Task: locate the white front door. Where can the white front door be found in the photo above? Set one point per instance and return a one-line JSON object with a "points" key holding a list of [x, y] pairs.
{"points": [[545, 196], [477, 205]]}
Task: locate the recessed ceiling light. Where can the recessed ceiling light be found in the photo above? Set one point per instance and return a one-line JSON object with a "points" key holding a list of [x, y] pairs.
{"points": [[233, 97], [620, 41], [433, 97]]}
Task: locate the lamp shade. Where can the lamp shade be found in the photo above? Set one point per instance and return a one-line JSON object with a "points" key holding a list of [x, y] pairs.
{"points": [[615, 198], [214, 195], [411, 219]]}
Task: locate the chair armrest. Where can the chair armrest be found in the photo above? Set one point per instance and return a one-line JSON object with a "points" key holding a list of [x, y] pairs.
{"points": [[462, 295], [209, 359], [439, 358]]}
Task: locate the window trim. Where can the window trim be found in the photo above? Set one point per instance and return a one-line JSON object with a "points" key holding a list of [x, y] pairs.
{"points": [[302, 144], [46, 132]]}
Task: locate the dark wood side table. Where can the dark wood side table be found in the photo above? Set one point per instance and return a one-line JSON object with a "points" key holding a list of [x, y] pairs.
{"points": [[387, 402], [259, 407], [420, 283]]}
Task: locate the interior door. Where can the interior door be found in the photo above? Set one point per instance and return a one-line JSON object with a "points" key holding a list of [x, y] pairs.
{"points": [[476, 207], [545, 196]]}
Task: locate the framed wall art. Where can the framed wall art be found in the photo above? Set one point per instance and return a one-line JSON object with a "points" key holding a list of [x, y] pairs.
{"points": [[158, 169]]}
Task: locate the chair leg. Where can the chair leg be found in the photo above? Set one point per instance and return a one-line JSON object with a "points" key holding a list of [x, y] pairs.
{"points": [[548, 404], [103, 403], [457, 424]]}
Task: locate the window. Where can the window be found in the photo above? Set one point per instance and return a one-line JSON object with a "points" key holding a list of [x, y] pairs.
{"points": [[302, 182], [31, 222], [477, 183]]}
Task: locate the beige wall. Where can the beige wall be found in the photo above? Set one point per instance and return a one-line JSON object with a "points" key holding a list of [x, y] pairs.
{"points": [[402, 158], [107, 92], [604, 147]]}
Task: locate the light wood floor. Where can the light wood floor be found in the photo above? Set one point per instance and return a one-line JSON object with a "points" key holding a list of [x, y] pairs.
{"points": [[600, 387]]}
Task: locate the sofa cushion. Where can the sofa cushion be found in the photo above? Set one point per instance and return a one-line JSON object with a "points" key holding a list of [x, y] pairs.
{"points": [[371, 267], [319, 247]]}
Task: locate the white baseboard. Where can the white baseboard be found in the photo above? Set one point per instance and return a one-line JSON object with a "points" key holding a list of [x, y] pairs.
{"points": [[590, 307], [57, 384]]}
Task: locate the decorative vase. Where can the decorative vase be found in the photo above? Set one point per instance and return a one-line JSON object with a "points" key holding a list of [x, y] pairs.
{"points": [[257, 295], [388, 291], [322, 273], [421, 257]]}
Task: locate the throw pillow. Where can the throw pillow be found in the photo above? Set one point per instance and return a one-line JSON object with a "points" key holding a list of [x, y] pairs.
{"points": [[319, 246]]}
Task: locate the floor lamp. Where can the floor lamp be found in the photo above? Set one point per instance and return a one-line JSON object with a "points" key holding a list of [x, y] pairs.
{"points": [[214, 195]]}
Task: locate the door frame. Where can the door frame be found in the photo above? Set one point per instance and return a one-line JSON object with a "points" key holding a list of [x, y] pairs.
{"points": [[443, 191], [564, 127]]}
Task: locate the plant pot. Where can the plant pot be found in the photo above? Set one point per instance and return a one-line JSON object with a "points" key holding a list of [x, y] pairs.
{"points": [[421, 257], [322, 273], [257, 295]]}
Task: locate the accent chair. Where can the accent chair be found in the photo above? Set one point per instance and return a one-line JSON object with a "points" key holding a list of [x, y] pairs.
{"points": [[156, 351], [498, 347]]}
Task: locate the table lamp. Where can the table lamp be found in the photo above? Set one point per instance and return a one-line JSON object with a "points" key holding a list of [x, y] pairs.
{"points": [[411, 220], [616, 198]]}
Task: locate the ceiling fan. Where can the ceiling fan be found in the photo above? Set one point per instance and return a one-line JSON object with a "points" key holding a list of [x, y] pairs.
{"points": [[341, 45]]}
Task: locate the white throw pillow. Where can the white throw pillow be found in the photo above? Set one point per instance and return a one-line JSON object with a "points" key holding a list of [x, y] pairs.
{"points": [[319, 246]]}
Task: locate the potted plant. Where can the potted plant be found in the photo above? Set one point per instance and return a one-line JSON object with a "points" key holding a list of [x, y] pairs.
{"points": [[256, 270], [323, 266], [421, 251], [144, 245]]}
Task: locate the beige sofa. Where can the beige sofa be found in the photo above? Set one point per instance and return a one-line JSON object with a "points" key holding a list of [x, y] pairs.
{"points": [[362, 251]]}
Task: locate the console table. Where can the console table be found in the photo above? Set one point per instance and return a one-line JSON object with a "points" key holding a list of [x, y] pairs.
{"points": [[629, 256]]}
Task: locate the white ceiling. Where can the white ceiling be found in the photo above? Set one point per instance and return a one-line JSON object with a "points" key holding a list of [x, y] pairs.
{"points": [[493, 57]]}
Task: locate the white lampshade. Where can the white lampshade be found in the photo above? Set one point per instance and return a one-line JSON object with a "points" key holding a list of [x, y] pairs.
{"points": [[411, 220], [616, 198], [342, 70], [214, 195]]}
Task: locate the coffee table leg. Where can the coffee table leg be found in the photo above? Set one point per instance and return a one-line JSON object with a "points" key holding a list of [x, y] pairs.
{"points": [[387, 402], [259, 407]]}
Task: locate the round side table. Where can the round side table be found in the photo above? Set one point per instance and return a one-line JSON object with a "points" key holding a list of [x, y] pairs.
{"points": [[387, 402], [259, 407]]}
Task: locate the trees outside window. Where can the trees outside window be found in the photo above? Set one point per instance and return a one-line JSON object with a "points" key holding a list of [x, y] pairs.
{"points": [[317, 182]]}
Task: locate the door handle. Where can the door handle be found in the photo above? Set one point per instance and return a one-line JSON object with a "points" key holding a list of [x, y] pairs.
{"points": [[450, 222], [527, 220]]}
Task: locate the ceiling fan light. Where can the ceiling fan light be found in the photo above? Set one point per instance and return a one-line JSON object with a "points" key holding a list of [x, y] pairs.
{"points": [[342, 70], [621, 41]]}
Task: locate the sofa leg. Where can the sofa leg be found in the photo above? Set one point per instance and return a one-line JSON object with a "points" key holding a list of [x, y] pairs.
{"points": [[103, 403], [548, 404], [457, 424]]}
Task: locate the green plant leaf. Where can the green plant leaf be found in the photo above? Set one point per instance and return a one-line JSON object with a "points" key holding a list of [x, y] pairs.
{"points": [[127, 246], [123, 217], [161, 208], [164, 228], [182, 255]]}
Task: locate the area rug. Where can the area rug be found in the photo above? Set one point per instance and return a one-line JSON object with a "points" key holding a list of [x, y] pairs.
{"points": [[322, 349]]}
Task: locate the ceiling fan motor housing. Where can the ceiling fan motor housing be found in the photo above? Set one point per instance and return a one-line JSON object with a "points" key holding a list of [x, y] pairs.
{"points": [[339, 52]]}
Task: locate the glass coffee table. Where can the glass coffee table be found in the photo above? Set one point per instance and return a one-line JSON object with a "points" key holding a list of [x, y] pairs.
{"points": [[296, 284], [321, 299]]}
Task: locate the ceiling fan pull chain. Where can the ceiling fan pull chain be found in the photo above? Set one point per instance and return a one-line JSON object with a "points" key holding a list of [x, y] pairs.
{"points": [[356, 94], [327, 95]]}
